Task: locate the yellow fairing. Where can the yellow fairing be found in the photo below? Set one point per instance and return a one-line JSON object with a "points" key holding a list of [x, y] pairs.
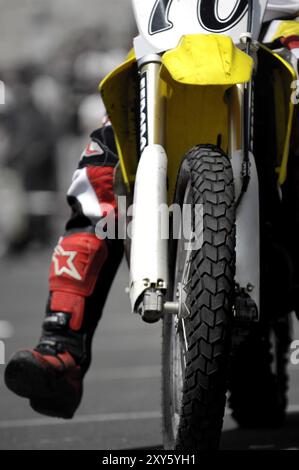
{"points": [[285, 29], [120, 94], [194, 79]]}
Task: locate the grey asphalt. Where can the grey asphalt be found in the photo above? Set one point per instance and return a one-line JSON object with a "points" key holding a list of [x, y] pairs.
{"points": [[121, 404]]}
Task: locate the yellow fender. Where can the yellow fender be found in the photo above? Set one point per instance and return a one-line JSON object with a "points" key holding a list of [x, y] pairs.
{"points": [[213, 59], [197, 75]]}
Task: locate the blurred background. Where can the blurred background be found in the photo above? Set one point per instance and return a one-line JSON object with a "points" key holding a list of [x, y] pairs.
{"points": [[52, 58], [53, 55]]}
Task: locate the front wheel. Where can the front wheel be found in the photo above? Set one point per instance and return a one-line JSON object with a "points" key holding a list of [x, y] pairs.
{"points": [[196, 343]]}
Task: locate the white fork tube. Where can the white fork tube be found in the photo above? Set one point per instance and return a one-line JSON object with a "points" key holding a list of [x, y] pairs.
{"points": [[248, 213], [248, 231], [149, 261]]}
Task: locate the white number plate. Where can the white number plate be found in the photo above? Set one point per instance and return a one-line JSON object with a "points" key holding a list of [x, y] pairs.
{"points": [[163, 22]]}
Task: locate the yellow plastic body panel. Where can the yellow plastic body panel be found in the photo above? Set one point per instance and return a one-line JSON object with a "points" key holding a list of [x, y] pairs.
{"points": [[283, 75], [286, 28], [194, 81], [208, 59], [120, 94]]}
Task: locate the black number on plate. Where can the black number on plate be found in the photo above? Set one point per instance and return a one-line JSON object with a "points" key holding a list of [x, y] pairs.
{"points": [[159, 20], [208, 15]]}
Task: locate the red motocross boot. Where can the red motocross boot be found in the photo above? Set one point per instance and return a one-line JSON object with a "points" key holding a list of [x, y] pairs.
{"points": [[51, 375], [51, 380]]}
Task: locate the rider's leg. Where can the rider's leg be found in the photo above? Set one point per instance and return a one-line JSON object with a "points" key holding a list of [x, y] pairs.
{"points": [[81, 272]]}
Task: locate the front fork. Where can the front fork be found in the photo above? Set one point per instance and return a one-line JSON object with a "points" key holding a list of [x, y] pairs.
{"points": [[247, 278], [149, 248]]}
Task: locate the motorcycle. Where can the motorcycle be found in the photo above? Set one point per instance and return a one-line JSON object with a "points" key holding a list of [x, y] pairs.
{"points": [[195, 110]]}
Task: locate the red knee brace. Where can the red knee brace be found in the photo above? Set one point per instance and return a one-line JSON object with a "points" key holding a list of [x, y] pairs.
{"points": [[75, 266], [291, 42]]}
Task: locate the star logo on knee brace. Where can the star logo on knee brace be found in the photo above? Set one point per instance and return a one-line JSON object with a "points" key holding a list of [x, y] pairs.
{"points": [[64, 263]]}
